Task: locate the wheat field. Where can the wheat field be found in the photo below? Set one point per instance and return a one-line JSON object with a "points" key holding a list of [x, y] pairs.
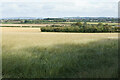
{"points": [[29, 53]]}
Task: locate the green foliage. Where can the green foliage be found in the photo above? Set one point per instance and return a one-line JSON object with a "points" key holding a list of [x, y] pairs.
{"points": [[78, 24], [79, 27], [99, 24], [56, 26]]}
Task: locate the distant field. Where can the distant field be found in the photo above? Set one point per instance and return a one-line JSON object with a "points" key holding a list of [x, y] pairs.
{"points": [[19, 29], [51, 23], [93, 23], [24, 24], [28, 25], [103, 23], [28, 53]]}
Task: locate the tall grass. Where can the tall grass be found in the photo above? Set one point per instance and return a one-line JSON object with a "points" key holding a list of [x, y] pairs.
{"points": [[97, 59]]}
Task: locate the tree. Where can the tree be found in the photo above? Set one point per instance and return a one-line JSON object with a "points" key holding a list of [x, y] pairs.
{"points": [[85, 24], [99, 24], [78, 24]]}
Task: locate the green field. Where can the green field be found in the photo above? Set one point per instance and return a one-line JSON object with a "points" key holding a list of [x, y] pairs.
{"points": [[35, 54], [91, 23]]}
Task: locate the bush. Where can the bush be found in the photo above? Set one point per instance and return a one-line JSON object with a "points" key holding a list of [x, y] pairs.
{"points": [[56, 26]]}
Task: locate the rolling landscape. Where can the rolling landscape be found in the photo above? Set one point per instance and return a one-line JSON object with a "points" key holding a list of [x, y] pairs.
{"points": [[31, 53], [58, 47]]}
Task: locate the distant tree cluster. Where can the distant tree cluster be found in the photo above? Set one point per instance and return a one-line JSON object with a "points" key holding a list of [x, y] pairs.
{"points": [[56, 25], [82, 27]]}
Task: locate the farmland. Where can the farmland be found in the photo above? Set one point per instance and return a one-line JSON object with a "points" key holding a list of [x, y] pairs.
{"points": [[29, 53], [27, 25], [51, 23]]}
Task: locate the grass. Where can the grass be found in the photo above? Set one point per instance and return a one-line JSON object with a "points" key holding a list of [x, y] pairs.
{"points": [[59, 55]]}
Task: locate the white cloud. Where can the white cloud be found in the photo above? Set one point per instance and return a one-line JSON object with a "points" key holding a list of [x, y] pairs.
{"points": [[58, 0], [58, 8]]}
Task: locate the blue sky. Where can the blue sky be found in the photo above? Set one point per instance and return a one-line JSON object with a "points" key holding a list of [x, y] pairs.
{"points": [[59, 8]]}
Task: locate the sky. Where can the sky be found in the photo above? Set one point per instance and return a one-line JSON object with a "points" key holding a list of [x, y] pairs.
{"points": [[59, 8]]}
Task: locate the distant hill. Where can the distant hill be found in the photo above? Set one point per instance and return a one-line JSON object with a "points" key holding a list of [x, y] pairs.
{"points": [[57, 18]]}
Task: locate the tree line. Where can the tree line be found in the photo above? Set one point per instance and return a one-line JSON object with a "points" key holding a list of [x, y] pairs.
{"points": [[82, 27], [67, 19]]}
